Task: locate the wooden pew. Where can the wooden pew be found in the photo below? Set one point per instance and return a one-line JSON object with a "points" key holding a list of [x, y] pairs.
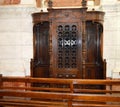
{"points": [[53, 95]]}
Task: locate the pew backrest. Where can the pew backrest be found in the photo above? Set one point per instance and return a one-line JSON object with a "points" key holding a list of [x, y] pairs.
{"points": [[54, 92]]}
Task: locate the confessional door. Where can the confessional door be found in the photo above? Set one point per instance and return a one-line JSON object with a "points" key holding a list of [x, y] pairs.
{"points": [[94, 61], [40, 63], [67, 50]]}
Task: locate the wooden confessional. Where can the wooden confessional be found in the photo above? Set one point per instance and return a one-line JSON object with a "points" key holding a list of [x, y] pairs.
{"points": [[68, 43]]}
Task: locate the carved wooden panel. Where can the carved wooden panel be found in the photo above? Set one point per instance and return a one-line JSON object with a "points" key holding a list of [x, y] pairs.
{"points": [[40, 63], [41, 44], [67, 46], [93, 42]]}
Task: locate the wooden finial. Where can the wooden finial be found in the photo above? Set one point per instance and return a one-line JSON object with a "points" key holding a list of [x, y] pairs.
{"points": [[50, 3], [84, 3]]}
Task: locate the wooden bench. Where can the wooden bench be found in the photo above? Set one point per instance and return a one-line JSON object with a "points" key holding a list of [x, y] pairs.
{"points": [[53, 95]]}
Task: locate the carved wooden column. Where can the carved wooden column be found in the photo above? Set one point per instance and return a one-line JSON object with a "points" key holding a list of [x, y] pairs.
{"points": [[84, 9], [50, 47]]}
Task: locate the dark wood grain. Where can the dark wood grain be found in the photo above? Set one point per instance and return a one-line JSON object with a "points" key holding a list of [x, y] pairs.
{"points": [[54, 96]]}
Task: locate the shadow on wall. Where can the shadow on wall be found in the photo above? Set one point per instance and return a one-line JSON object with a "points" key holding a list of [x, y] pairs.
{"points": [[8, 2]]}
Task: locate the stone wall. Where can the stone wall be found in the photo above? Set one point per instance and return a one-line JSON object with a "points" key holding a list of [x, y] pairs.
{"points": [[16, 40], [111, 37]]}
